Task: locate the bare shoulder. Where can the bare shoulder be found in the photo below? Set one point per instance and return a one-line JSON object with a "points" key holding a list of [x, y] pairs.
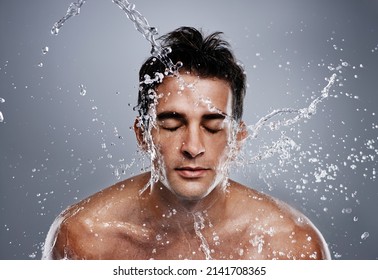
{"points": [[76, 231], [277, 230]]}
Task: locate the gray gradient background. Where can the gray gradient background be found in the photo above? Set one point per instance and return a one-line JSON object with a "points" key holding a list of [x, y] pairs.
{"points": [[57, 147]]}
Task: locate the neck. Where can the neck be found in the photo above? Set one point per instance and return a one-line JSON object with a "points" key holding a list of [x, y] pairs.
{"points": [[167, 207]]}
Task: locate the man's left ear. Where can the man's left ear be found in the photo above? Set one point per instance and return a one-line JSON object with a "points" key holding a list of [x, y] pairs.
{"points": [[139, 130], [241, 135]]}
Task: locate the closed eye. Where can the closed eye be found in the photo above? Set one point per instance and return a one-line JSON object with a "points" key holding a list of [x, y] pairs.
{"points": [[213, 125], [171, 128], [213, 131], [170, 121]]}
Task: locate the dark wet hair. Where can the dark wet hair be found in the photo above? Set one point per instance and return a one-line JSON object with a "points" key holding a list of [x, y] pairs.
{"points": [[207, 57]]}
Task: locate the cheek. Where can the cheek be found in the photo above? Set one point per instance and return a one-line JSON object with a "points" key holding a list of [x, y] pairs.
{"points": [[222, 152], [223, 146], [217, 141], [167, 142], [169, 149]]}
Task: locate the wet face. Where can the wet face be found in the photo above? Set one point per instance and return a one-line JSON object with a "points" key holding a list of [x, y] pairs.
{"points": [[192, 134]]}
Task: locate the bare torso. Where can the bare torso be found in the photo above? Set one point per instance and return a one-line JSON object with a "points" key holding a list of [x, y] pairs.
{"points": [[120, 223]]}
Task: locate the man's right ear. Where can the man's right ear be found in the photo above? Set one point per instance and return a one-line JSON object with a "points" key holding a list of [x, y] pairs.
{"points": [[139, 131]]}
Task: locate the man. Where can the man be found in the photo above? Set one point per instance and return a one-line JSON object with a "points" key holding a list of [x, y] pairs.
{"points": [[186, 207]]}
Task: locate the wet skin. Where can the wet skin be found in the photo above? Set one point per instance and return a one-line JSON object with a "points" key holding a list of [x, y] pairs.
{"points": [[192, 141], [191, 136]]}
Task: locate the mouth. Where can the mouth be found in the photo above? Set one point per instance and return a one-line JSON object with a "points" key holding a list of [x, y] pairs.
{"points": [[190, 172]]}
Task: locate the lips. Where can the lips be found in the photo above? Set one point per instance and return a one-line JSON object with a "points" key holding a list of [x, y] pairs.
{"points": [[192, 172]]}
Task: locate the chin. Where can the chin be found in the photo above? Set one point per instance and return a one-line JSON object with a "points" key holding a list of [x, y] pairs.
{"points": [[192, 191], [191, 197]]}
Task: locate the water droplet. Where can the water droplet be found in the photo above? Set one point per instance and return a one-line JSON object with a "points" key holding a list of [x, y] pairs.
{"points": [[45, 50], [2, 100], [1, 117], [158, 237], [55, 29], [33, 255], [337, 255], [365, 235], [40, 64], [346, 210], [83, 90]]}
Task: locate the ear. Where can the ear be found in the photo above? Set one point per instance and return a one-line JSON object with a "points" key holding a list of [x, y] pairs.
{"points": [[241, 135], [139, 131]]}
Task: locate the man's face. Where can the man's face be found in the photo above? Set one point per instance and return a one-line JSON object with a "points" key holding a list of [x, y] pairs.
{"points": [[192, 134]]}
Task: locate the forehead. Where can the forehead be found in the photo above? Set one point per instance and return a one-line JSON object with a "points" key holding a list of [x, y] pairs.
{"points": [[192, 93]]}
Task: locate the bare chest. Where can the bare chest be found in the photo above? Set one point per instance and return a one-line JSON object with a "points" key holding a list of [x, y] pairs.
{"points": [[194, 244]]}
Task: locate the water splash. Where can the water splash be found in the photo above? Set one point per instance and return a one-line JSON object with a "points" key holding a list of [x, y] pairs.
{"points": [[285, 143], [73, 10], [148, 32], [258, 241], [141, 25], [199, 225], [304, 113], [283, 146]]}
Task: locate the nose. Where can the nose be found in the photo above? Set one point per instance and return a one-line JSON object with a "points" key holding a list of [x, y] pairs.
{"points": [[192, 145]]}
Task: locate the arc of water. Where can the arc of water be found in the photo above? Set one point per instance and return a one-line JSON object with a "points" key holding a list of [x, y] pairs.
{"points": [[73, 10], [148, 32], [140, 23], [285, 142], [306, 112]]}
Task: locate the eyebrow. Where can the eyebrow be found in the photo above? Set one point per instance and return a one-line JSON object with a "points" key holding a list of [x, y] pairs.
{"points": [[182, 117], [170, 115], [215, 116]]}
